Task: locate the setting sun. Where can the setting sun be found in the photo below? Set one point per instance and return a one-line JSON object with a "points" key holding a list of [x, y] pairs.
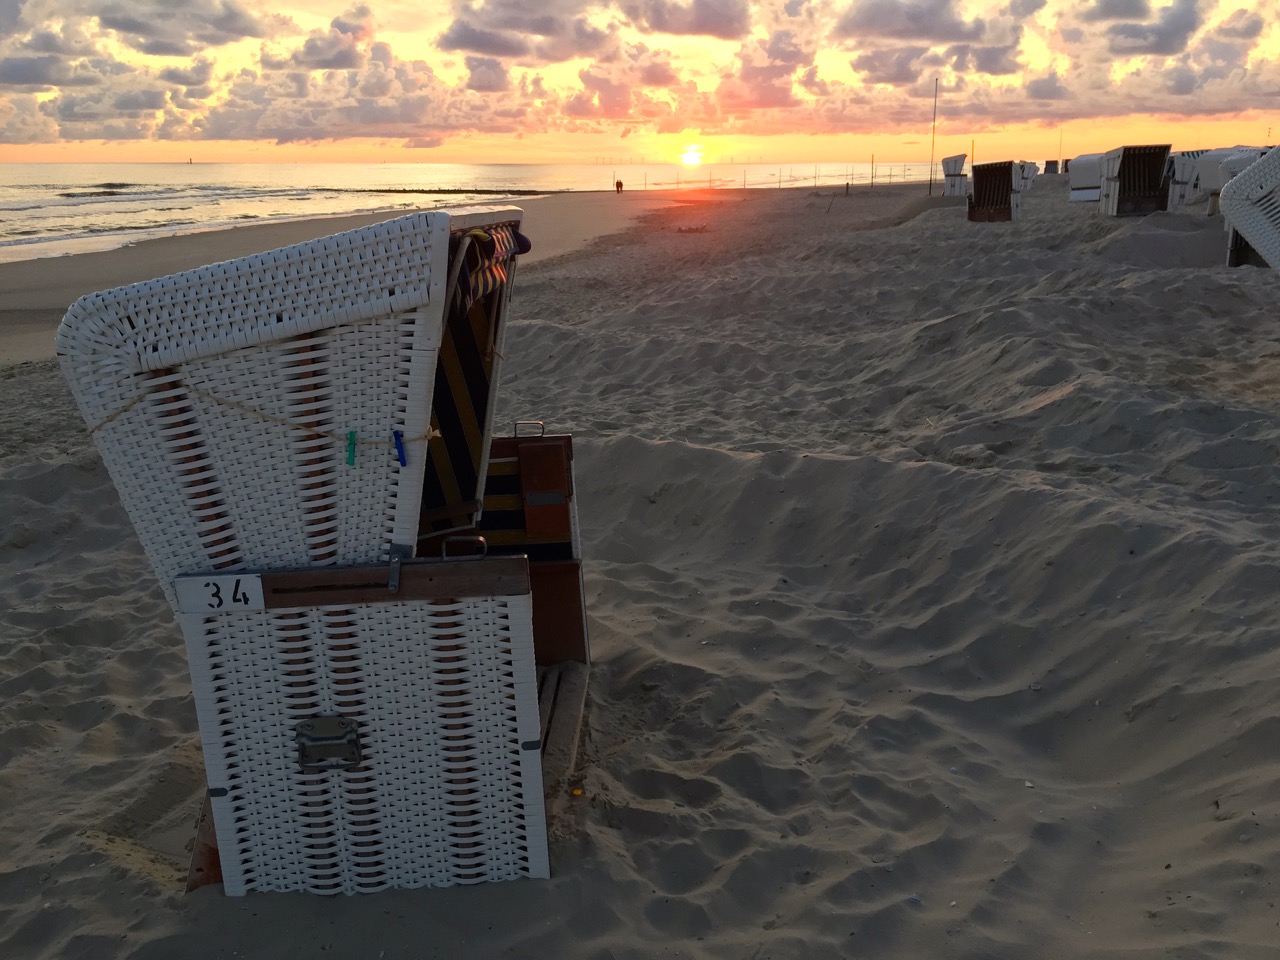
{"points": [[692, 155]]}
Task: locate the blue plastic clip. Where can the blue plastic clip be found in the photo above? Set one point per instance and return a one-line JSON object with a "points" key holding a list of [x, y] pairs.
{"points": [[399, 438], [351, 449]]}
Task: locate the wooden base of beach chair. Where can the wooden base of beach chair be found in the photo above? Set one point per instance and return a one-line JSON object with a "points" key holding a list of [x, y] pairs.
{"points": [[562, 698], [1241, 253]]}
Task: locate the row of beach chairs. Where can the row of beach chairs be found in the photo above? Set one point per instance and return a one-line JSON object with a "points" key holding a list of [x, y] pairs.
{"points": [[1240, 183]]}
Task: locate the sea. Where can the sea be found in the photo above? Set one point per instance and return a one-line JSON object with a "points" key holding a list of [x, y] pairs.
{"points": [[54, 209]]}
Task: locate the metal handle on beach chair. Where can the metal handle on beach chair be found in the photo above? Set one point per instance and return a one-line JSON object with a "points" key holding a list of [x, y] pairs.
{"points": [[542, 428]]}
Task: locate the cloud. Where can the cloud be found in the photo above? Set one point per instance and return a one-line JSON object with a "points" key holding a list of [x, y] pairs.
{"points": [[200, 72], [10, 15], [334, 50], [1181, 81], [897, 67], [45, 72], [138, 102], [577, 38], [69, 40], [1021, 9], [356, 22], [1116, 10], [813, 84], [486, 75], [726, 19], [1047, 88], [764, 76], [162, 28], [993, 61], [1241, 25], [658, 74], [21, 121], [1169, 34], [461, 35], [601, 96], [907, 20]]}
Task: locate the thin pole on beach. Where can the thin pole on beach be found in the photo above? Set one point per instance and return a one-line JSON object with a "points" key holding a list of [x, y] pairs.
{"points": [[933, 137]]}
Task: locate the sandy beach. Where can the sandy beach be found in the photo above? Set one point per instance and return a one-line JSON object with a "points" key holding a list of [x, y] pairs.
{"points": [[930, 573]]}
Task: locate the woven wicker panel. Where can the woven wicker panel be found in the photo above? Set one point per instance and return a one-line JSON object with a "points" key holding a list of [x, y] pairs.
{"points": [[449, 790], [1251, 204], [271, 411]]}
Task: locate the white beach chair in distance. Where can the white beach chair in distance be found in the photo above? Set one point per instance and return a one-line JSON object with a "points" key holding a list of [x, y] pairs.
{"points": [[1215, 167], [368, 720], [1027, 173], [956, 183], [1250, 205], [1183, 178], [1084, 175], [1134, 181]]}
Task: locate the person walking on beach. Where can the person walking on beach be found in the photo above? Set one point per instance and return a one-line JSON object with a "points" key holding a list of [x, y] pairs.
{"points": [[617, 185]]}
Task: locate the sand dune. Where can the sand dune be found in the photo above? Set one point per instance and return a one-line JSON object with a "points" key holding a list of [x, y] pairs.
{"points": [[931, 577]]}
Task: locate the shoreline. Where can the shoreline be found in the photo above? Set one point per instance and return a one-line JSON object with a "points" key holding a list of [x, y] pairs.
{"points": [[34, 294]]}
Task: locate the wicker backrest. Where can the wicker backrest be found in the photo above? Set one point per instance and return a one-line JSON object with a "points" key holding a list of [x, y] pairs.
{"points": [[1251, 206], [993, 198], [1135, 181], [272, 411]]}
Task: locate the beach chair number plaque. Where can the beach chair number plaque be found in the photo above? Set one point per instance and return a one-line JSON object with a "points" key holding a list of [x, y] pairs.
{"points": [[216, 594]]}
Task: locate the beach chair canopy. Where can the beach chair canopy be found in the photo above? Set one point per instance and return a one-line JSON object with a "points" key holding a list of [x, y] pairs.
{"points": [[289, 408], [1251, 206], [1238, 161], [1211, 176], [953, 166]]}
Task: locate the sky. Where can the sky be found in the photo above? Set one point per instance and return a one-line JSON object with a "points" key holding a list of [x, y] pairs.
{"points": [[642, 80]]}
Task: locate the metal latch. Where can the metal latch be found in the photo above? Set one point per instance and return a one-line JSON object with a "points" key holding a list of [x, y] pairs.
{"points": [[399, 553], [328, 743]]}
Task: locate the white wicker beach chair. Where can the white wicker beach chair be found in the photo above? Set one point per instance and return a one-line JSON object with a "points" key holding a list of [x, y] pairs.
{"points": [[1026, 173], [1085, 177], [1183, 180], [1250, 206], [1134, 181], [274, 425], [1214, 168], [956, 183]]}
